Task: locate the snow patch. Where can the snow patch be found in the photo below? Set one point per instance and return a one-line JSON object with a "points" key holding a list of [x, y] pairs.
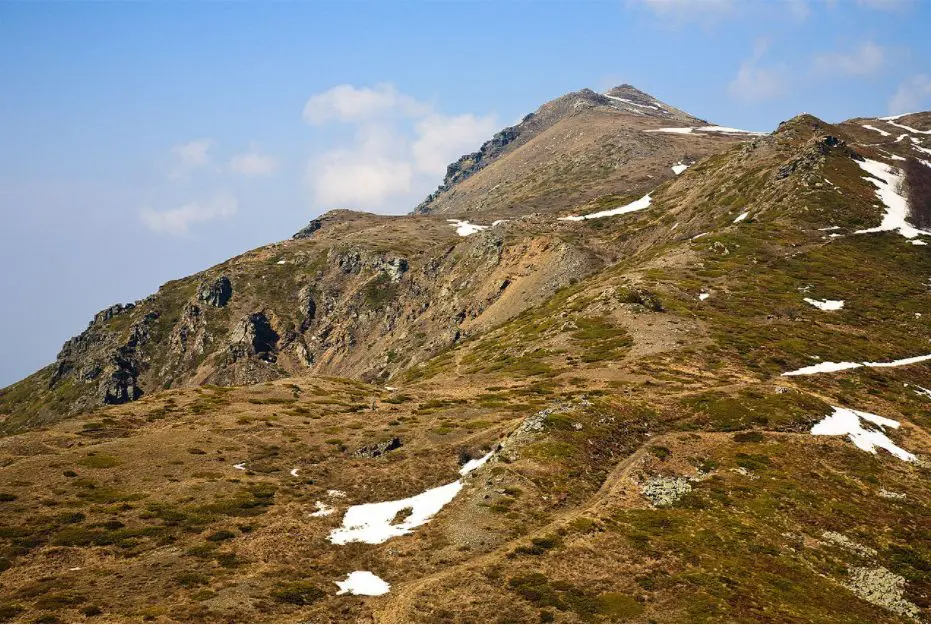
{"points": [[830, 367], [741, 217], [896, 205], [294, 472], [363, 583], [322, 509], [879, 130], [909, 128], [847, 422], [240, 467], [678, 168], [464, 228], [636, 205], [824, 367], [704, 296], [900, 363], [373, 523], [687, 130], [475, 463], [826, 304]]}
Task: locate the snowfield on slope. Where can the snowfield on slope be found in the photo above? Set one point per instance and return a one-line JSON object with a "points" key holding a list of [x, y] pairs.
{"points": [[896, 205], [636, 205], [826, 304], [363, 583], [847, 422], [687, 130], [830, 367], [372, 522]]}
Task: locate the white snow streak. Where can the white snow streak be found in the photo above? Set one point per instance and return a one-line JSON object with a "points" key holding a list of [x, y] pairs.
{"points": [[847, 422], [826, 304], [909, 128], [899, 363], [294, 472], [678, 168], [741, 217], [879, 130], [896, 205], [704, 296], [475, 463], [363, 583], [241, 466], [687, 130], [636, 205], [830, 367]]}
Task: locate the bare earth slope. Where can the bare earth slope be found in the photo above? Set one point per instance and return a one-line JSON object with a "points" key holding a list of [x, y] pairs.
{"points": [[572, 150], [650, 460]]}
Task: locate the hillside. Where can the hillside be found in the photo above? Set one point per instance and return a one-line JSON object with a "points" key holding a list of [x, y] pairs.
{"points": [[648, 395]]}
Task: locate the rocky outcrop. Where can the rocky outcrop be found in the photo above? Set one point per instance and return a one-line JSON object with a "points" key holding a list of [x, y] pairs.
{"points": [[254, 336], [216, 293], [308, 231], [379, 449]]}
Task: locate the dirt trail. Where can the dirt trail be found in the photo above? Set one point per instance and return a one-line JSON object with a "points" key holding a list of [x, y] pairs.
{"points": [[401, 599]]}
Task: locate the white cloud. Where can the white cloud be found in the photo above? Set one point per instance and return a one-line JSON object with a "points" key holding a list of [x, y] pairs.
{"points": [[346, 103], [177, 221], [442, 139], [191, 155], [868, 59], [252, 164], [754, 83], [357, 179], [400, 150], [911, 95]]}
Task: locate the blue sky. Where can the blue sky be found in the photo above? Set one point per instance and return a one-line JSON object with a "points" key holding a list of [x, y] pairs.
{"points": [[144, 141]]}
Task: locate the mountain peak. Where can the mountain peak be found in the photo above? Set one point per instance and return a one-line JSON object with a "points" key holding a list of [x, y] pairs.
{"points": [[621, 114]]}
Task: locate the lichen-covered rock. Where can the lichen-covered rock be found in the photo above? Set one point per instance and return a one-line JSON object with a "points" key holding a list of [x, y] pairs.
{"points": [[665, 491], [884, 588]]}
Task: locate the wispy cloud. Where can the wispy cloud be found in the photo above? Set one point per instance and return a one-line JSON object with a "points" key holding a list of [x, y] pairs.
{"points": [[253, 164], [440, 139], [346, 103], [912, 95], [191, 155], [400, 151], [866, 60], [177, 221], [756, 83]]}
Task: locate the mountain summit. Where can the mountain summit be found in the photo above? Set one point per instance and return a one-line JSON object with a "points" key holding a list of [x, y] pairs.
{"points": [[569, 151]]}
